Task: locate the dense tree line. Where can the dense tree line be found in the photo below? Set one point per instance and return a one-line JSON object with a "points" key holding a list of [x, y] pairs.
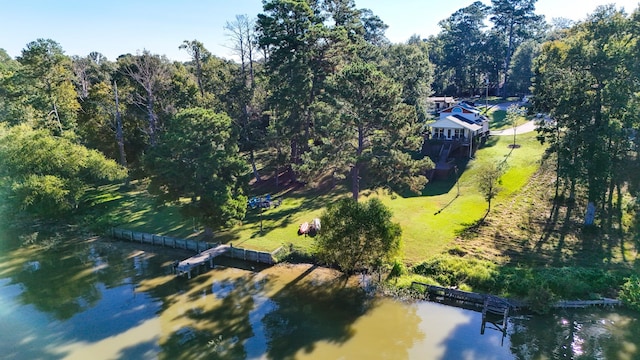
{"points": [[469, 57], [317, 92], [588, 80]]}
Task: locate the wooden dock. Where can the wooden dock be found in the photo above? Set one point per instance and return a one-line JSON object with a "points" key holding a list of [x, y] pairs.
{"points": [[495, 310], [575, 304], [185, 266]]}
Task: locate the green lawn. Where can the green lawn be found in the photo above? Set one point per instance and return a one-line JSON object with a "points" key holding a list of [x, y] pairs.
{"points": [[429, 222]]}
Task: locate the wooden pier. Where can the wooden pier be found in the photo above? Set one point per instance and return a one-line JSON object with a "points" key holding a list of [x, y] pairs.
{"points": [[495, 310], [205, 251], [185, 266]]}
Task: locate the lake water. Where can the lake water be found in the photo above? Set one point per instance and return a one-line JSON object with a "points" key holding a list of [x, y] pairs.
{"points": [[110, 300]]}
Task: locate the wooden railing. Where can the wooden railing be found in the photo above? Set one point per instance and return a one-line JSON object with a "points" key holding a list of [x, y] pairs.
{"points": [[195, 245]]}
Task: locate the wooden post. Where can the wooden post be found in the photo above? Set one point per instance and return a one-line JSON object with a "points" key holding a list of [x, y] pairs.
{"points": [[504, 319]]}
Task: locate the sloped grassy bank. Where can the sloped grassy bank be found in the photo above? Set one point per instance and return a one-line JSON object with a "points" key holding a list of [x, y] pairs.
{"points": [[540, 256], [540, 287]]}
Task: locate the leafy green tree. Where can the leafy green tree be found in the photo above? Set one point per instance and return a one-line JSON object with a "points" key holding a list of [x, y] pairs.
{"points": [[290, 31], [463, 37], [48, 82], [517, 21], [409, 66], [46, 175], [371, 129], [14, 100], [489, 180], [521, 70], [514, 116], [585, 80], [197, 157], [356, 235], [374, 28]]}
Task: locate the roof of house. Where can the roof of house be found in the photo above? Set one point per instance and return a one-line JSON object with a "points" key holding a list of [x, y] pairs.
{"points": [[449, 99], [453, 122], [464, 106], [462, 118]]}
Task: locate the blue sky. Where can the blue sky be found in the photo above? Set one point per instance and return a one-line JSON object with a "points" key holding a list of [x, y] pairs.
{"points": [[115, 27]]}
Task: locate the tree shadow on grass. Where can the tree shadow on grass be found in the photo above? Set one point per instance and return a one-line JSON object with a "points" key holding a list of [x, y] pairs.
{"points": [[284, 215], [490, 142], [471, 229]]}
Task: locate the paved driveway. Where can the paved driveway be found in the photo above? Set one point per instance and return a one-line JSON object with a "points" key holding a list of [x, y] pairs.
{"points": [[529, 126]]}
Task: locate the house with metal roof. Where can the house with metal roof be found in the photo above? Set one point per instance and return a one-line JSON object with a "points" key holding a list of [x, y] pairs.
{"points": [[458, 132]]}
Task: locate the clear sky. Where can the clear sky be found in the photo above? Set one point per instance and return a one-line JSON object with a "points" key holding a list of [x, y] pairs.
{"points": [[115, 27]]}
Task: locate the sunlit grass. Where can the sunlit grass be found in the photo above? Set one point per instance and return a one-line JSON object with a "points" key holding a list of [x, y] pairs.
{"points": [[429, 222]]}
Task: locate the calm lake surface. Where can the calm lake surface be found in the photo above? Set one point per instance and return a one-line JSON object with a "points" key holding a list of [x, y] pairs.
{"points": [[111, 300]]}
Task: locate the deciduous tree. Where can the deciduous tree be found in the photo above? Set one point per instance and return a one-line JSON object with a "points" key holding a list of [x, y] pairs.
{"points": [[489, 180], [152, 75], [47, 175], [356, 236], [48, 81], [586, 81]]}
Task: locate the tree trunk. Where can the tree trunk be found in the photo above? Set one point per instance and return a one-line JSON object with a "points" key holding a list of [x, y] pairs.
{"points": [[199, 71], [120, 130], [277, 174], [507, 60], [355, 170], [253, 165], [355, 185], [152, 126]]}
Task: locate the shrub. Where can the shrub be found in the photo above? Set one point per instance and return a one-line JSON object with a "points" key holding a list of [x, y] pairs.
{"points": [[455, 271], [540, 299], [630, 293], [397, 269]]}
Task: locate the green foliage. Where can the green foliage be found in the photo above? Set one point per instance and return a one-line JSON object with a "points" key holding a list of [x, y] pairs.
{"points": [[489, 175], [587, 81], [630, 292], [197, 158], [540, 298], [356, 235], [47, 175], [371, 132], [520, 71], [455, 271], [398, 268], [48, 76], [538, 285], [43, 195], [461, 42], [409, 66]]}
